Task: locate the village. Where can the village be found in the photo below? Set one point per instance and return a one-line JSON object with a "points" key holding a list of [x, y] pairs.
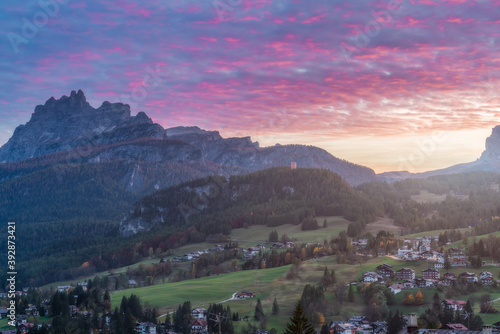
{"points": [[417, 251]]}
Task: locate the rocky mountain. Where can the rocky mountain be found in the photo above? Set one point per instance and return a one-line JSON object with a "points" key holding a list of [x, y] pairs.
{"points": [[70, 122], [69, 130], [247, 154], [489, 161]]}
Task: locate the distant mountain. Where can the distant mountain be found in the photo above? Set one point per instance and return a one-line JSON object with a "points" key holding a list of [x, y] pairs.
{"points": [[488, 162], [69, 130], [247, 154]]}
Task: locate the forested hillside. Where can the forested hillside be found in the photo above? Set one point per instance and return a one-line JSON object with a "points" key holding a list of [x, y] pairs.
{"points": [[86, 222], [272, 197], [468, 199]]}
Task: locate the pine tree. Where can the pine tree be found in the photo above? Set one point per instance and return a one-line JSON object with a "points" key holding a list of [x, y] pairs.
{"points": [[447, 264], [396, 323], [299, 324], [276, 308], [350, 295], [325, 329], [259, 311], [437, 307], [468, 307], [446, 316]]}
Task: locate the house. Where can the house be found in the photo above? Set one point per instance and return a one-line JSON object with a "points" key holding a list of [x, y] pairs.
{"points": [[439, 265], [487, 281], [458, 259], [449, 275], [145, 327], [424, 248], [467, 277], [385, 270], [430, 274], [358, 320], [423, 283], [64, 288], [199, 313], [24, 328], [3, 312], [427, 255], [132, 283], [364, 329], [405, 274], [370, 276], [408, 284], [448, 279], [345, 328], [199, 326], [84, 285], [455, 305], [379, 327], [245, 294], [396, 288], [485, 274], [31, 310], [404, 252], [21, 319]]}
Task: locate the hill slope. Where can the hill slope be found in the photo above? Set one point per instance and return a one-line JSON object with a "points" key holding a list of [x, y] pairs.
{"points": [[273, 197]]}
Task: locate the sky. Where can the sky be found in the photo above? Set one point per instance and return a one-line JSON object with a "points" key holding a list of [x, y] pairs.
{"points": [[389, 84]]}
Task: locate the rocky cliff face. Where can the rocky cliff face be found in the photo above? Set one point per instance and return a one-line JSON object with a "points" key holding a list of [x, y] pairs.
{"points": [[70, 127], [492, 151], [247, 154], [70, 122]]}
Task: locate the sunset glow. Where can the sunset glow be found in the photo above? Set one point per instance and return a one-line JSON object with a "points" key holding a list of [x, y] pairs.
{"points": [[387, 84]]}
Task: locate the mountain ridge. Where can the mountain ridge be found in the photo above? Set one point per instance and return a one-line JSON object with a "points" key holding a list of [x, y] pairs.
{"points": [[489, 161], [70, 124]]}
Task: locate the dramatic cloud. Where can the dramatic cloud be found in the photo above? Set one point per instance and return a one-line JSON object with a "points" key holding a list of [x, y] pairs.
{"points": [[337, 74]]}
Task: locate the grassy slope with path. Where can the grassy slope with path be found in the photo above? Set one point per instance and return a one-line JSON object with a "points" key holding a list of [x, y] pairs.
{"points": [[246, 237]]}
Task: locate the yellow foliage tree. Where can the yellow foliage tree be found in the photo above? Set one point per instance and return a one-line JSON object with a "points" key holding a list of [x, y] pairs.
{"points": [[419, 298], [408, 299]]}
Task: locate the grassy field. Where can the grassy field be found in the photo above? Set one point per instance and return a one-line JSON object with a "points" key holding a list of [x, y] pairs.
{"points": [[471, 240], [383, 224], [245, 237], [4, 322], [267, 284], [260, 233], [427, 197], [433, 233]]}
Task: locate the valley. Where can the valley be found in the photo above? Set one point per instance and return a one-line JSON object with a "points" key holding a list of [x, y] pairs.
{"points": [[124, 225]]}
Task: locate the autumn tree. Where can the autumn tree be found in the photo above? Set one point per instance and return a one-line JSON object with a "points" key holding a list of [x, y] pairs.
{"points": [[419, 298], [408, 299]]}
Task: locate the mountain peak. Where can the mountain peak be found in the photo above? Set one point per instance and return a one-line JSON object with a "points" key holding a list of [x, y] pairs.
{"points": [[492, 151], [65, 123], [76, 102]]}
